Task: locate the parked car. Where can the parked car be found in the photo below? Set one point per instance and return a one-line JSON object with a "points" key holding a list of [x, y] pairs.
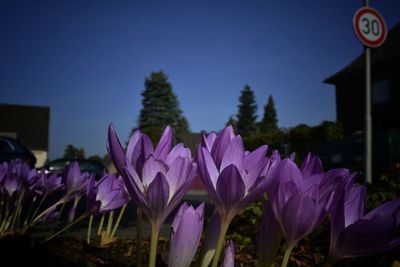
{"points": [[86, 165], [11, 148]]}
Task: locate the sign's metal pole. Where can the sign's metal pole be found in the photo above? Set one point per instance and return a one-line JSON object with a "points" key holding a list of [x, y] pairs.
{"points": [[368, 117]]}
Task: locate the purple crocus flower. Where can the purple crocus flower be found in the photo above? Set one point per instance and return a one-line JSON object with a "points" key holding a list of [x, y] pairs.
{"points": [[106, 195], [185, 235], [47, 184], [229, 255], [232, 176], [11, 187], [156, 179], [16, 178], [20, 170], [296, 200], [74, 180], [354, 234]]}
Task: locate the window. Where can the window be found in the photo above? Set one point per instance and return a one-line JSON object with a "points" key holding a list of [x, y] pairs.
{"points": [[380, 92]]}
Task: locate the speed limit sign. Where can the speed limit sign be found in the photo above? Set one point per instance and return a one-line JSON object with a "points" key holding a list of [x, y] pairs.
{"points": [[369, 27]]}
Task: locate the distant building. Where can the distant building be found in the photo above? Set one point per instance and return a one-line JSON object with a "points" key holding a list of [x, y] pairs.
{"points": [[350, 107], [350, 88], [29, 124]]}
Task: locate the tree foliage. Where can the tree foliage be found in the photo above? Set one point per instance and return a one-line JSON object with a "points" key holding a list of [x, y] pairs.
{"points": [[73, 152], [96, 158], [246, 117], [269, 123], [160, 107]]}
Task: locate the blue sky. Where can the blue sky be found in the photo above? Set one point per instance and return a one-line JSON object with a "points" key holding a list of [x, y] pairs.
{"points": [[87, 60]]}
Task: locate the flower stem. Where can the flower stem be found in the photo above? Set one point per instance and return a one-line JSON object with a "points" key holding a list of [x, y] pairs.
{"points": [[66, 227], [153, 245], [89, 232], [288, 251], [220, 243], [17, 210], [139, 227], [37, 218], [100, 229], [30, 210], [38, 207], [118, 221], [110, 223]]}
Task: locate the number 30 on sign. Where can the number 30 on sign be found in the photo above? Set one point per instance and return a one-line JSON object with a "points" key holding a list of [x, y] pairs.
{"points": [[369, 27]]}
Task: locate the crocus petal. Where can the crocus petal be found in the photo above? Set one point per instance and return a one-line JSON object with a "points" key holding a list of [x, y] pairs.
{"points": [[133, 140], [254, 164], [278, 202], [229, 255], [389, 208], [259, 187], [177, 173], [288, 171], [207, 170], [180, 193], [157, 195], [115, 149], [185, 235], [234, 154], [220, 145], [178, 215], [140, 152], [365, 237], [311, 165], [151, 168], [178, 151], [333, 180], [208, 141], [164, 145], [230, 187], [298, 216], [72, 175], [135, 187], [337, 224], [354, 205]]}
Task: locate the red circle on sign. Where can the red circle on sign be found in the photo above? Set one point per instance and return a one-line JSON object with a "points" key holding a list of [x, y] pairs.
{"points": [[371, 43]]}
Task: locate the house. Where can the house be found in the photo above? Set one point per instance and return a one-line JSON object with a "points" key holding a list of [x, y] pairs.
{"points": [[385, 75], [350, 107], [29, 124]]}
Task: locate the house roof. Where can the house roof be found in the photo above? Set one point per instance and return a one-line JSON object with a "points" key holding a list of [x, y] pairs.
{"points": [[383, 55]]}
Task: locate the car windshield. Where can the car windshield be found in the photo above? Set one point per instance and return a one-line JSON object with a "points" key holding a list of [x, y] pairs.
{"points": [[5, 146], [58, 165], [91, 166], [85, 166]]}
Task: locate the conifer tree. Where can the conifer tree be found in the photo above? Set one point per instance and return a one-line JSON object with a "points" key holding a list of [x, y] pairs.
{"points": [[246, 117], [160, 106], [269, 122]]}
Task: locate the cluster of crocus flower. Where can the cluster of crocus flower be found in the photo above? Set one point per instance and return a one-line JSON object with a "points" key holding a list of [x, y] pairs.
{"points": [[156, 178], [300, 199], [295, 200], [25, 201], [21, 188]]}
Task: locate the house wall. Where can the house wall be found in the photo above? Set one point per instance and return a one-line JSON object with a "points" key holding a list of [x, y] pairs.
{"points": [[350, 99]]}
